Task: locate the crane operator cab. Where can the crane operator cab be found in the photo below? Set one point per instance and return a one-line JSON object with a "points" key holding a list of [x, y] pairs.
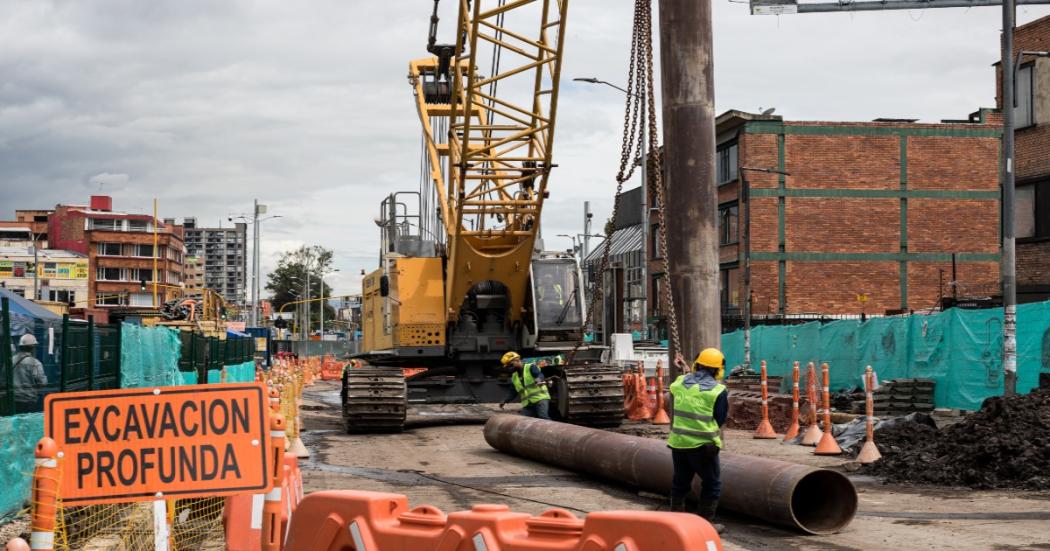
{"points": [[557, 301]]}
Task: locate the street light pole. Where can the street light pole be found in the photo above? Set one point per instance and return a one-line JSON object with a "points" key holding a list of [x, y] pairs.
{"points": [[1009, 259], [322, 299], [745, 197], [644, 203]]}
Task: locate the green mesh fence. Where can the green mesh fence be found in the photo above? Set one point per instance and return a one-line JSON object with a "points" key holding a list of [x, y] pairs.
{"points": [[149, 357], [959, 349], [19, 434]]}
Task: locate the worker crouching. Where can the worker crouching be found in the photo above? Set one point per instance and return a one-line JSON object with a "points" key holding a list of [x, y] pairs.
{"points": [[699, 405], [530, 388]]}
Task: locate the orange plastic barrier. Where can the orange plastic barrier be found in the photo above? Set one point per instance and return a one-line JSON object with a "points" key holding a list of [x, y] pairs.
{"points": [[378, 521], [243, 514], [635, 396], [331, 371]]}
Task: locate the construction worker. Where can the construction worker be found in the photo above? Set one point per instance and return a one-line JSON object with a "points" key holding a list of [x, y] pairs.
{"points": [[529, 387], [699, 405], [29, 378], [549, 291]]}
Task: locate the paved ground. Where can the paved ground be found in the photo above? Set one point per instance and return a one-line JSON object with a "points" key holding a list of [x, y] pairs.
{"points": [[453, 468]]}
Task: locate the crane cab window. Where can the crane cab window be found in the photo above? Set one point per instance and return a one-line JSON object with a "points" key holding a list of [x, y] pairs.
{"points": [[556, 291]]}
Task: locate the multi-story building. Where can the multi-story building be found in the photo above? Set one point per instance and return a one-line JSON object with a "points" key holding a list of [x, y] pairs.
{"points": [[193, 275], [868, 218], [62, 276], [120, 249], [1032, 154], [27, 225], [224, 252]]}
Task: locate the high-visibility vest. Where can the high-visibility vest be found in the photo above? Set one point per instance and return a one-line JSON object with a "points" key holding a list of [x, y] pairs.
{"points": [[529, 392], [557, 292], [694, 423]]}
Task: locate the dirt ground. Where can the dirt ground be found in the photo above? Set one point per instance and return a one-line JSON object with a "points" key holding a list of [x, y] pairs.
{"points": [[452, 467]]}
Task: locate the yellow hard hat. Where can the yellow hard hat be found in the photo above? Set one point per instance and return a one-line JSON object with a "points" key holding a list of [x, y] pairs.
{"points": [[509, 357], [712, 358]]}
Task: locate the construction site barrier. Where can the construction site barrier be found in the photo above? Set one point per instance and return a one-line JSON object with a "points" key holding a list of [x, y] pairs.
{"points": [[243, 514], [813, 432], [371, 521], [827, 444], [765, 428], [869, 452], [793, 428]]}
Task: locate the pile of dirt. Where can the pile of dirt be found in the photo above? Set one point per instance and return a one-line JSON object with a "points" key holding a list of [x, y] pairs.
{"points": [[1004, 445]]}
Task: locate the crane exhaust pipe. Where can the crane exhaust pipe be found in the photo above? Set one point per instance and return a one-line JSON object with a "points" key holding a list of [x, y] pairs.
{"points": [[814, 501]]}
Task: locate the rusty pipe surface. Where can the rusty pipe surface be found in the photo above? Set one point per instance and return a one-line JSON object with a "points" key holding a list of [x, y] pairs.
{"points": [[815, 501]]}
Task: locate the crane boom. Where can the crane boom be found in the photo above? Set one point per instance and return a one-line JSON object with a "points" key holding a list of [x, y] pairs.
{"points": [[491, 164]]}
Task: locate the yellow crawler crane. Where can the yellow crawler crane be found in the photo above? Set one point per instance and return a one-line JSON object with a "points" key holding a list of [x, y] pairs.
{"points": [[462, 275]]}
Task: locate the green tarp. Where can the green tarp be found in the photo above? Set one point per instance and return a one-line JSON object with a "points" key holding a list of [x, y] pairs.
{"points": [[959, 349], [19, 434]]}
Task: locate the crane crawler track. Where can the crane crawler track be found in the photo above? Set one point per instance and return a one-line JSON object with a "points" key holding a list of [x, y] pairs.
{"points": [[375, 399], [589, 395]]}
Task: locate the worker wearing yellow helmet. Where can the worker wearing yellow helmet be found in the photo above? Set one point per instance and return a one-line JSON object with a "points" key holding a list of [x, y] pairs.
{"points": [[530, 388], [699, 405]]}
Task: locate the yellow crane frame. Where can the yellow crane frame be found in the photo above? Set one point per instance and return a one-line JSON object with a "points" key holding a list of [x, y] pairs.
{"points": [[497, 151]]}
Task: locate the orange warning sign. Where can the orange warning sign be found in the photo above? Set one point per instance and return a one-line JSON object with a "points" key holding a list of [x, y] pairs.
{"points": [[153, 443]]}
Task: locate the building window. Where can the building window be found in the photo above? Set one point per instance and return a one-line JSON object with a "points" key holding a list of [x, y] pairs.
{"points": [[110, 299], [110, 274], [143, 250], [1032, 210], [109, 249], [1024, 111], [61, 296], [728, 159], [108, 224], [729, 285], [654, 241], [728, 227]]}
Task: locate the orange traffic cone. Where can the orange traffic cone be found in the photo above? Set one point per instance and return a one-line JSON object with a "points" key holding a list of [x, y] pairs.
{"points": [[869, 453], [792, 431], [813, 433], [650, 394], [660, 416], [827, 444], [765, 429]]}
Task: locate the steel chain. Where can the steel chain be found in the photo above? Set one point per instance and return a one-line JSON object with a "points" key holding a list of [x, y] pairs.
{"points": [[640, 77]]}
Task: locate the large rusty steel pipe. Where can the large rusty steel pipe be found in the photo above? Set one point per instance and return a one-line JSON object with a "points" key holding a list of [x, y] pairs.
{"points": [[815, 501]]}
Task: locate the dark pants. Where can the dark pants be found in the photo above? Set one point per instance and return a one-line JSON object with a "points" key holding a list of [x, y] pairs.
{"points": [[540, 409], [701, 461]]}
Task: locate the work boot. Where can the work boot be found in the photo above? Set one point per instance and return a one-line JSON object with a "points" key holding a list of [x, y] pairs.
{"points": [[677, 504], [707, 508]]}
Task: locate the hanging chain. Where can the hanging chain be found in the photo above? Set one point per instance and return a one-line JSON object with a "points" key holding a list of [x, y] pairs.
{"points": [[639, 81]]}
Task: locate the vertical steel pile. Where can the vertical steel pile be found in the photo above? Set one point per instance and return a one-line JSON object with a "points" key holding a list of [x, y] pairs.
{"points": [[815, 501]]}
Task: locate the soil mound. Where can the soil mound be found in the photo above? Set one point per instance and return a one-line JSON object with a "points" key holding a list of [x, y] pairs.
{"points": [[1004, 445]]}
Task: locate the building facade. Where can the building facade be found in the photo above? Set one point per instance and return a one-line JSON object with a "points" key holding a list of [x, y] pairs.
{"points": [[867, 219], [1032, 154], [61, 276], [121, 253], [193, 275], [224, 253]]}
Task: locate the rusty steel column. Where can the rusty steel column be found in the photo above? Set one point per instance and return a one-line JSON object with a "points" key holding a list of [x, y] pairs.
{"points": [[687, 71], [814, 501]]}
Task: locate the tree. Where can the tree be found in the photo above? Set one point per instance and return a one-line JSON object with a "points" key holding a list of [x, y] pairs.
{"points": [[287, 282]]}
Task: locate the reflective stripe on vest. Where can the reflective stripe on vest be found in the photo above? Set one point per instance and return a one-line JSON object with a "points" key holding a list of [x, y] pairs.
{"points": [[529, 392], [694, 424]]}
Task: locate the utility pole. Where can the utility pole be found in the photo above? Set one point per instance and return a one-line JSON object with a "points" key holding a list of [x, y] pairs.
{"points": [[687, 77], [36, 267], [1008, 266]]}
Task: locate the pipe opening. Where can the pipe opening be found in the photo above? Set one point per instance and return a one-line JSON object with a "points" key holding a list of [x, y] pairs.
{"points": [[823, 502]]}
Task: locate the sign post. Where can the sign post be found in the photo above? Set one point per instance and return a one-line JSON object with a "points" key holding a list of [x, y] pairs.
{"points": [[151, 444]]}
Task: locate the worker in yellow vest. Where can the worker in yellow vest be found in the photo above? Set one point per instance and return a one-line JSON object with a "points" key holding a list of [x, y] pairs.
{"points": [[530, 388], [700, 405]]}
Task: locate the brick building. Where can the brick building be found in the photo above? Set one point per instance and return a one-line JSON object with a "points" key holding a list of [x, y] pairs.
{"points": [[1032, 154], [867, 220], [33, 222], [120, 251]]}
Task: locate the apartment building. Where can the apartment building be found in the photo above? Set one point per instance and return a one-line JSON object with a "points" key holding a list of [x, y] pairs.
{"points": [[224, 255]]}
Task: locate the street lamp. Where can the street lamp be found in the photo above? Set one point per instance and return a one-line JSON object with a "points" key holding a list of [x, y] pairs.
{"points": [[257, 210], [573, 238], [322, 276], [745, 196], [645, 195]]}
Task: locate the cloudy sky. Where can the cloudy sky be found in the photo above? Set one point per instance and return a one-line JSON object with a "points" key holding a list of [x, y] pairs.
{"points": [[208, 104]]}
